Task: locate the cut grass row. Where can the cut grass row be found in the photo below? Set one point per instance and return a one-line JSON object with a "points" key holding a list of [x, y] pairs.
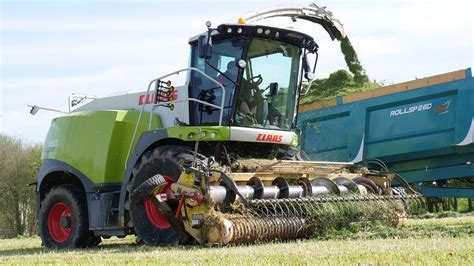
{"points": [[413, 228], [430, 241]]}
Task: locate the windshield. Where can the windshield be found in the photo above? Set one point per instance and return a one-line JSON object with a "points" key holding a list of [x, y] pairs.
{"points": [[225, 54], [269, 85]]}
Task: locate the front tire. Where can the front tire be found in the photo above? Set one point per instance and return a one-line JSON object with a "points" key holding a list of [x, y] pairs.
{"points": [[150, 226], [64, 221]]}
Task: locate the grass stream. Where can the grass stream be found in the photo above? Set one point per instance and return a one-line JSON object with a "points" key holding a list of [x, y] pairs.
{"points": [[342, 82]]}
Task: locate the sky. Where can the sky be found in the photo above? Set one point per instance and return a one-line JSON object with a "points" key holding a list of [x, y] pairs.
{"points": [[50, 49]]}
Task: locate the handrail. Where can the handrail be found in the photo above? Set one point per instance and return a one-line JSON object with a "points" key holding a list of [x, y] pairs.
{"points": [[188, 69]]}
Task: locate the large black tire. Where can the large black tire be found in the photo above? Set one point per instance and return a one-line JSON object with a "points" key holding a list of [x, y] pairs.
{"points": [[64, 220], [164, 160]]}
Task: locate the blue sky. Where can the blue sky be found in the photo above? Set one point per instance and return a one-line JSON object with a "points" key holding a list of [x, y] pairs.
{"points": [[50, 49]]}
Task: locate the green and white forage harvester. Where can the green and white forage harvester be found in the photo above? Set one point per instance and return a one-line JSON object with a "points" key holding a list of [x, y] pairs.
{"points": [[215, 161]]}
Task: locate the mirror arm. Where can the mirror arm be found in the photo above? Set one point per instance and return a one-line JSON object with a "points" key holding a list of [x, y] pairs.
{"points": [[315, 64], [314, 71], [206, 60]]}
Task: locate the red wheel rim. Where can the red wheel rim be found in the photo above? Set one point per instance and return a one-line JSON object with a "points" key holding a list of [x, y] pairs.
{"points": [[153, 214], [60, 232]]}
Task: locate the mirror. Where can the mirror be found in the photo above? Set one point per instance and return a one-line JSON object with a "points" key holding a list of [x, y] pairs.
{"points": [[242, 63], [308, 74], [34, 110], [273, 89], [204, 47]]}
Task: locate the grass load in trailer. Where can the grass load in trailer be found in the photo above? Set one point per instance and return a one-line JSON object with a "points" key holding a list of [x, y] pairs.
{"points": [[421, 129]]}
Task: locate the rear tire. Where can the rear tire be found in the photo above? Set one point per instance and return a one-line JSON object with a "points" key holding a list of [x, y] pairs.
{"points": [[64, 220], [151, 228]]}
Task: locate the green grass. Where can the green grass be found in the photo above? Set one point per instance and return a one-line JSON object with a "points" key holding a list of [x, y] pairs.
{"points": [[428, 241], [339, 83]]}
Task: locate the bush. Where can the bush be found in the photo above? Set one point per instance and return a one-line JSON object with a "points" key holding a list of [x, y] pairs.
{"points": [[19, 164]]}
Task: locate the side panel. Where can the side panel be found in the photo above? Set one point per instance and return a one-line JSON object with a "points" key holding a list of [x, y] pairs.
{"points": [[412, 127], [424, 134], [330, 135], [96, 142]]}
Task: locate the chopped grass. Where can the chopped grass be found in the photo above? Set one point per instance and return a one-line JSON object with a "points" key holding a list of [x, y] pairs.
{"points": [[339, 83], [454, 245], [352, 61]]}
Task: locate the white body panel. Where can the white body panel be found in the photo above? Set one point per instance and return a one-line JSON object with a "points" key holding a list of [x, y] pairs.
{"points": [[135, 100], [261, 135]]}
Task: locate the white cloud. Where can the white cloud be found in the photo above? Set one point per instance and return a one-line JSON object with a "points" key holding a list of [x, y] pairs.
{"points": [[99, 52], [101, 83], [53, 93]]}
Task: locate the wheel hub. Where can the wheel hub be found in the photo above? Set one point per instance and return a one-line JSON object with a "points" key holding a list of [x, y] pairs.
{"points": [[60, 222], [65, 222], [153, 214]]}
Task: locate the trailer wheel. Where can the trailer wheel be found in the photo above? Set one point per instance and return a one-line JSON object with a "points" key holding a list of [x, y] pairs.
{"points": [[64, 221], [149, 224]]}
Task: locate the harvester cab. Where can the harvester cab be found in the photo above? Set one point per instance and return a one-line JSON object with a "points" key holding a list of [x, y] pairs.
{"points": [[255, 96], [214, 161], [231, 85]]}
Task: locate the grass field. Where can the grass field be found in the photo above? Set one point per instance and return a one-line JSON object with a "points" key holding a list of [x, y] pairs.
{"points": [[429, 241]]}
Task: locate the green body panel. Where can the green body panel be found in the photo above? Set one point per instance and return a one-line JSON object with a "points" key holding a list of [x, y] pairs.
{"points": [[294, 141], [96, 142], [208, 133]]}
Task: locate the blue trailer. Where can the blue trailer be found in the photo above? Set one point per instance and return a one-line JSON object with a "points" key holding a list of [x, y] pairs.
{"points": [[422, 129]]}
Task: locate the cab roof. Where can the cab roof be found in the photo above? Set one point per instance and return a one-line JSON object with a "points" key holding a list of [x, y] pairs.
{"points": [[225, 31]]}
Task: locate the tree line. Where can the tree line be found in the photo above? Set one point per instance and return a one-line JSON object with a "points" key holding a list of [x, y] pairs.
{"points": [[19, 165]]}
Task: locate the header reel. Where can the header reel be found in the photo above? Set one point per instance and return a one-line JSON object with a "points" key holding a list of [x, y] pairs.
{"points": [[277, 200]]}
